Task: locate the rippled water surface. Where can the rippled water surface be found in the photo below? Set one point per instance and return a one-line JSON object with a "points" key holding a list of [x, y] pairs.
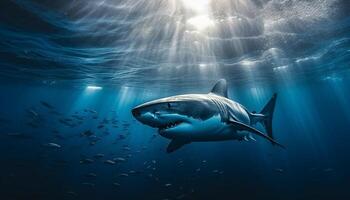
{"points": [[72, 70], [172, 41]]}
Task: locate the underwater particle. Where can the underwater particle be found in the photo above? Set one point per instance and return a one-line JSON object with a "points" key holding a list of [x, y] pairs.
{"points": [[204, 161], [86, 161], [111, 162], [167, 184], [154, 162], [215, 171], [198, 169], [52, 145]]}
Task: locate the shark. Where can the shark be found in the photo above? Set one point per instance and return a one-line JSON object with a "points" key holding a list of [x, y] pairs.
{"points": [[188, 118]]}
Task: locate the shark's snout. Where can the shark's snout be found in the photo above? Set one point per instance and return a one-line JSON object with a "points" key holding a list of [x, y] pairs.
{"points": [[136, 112], [145, 117]]}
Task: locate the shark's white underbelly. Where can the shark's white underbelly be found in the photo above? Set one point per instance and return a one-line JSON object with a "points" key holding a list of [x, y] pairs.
{"points": [[212, 129]]}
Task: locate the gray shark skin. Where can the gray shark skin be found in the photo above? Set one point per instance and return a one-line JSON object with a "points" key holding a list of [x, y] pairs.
{"points": [[205, 117]]}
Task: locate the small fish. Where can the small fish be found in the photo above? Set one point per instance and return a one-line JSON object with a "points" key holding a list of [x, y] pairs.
{"points": [[87, 133], [33, 113], [47, 105], [52, 145], [19, 135], [91, 175], [134, 172], [71, 193], [124, 175], [279, 170], [101, 126], [116, 184], [119, 159], [86, 161], [328, 170], [92, 111], [111, 162], [126, 149]]}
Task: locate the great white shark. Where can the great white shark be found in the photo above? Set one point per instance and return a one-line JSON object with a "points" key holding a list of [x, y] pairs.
{"points": [[205, 117]]}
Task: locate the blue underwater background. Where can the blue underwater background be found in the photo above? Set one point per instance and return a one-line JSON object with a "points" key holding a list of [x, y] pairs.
{"points": [[71, 71]]}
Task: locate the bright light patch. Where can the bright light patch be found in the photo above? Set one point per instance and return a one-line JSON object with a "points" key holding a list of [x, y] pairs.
{"points": [[200, 22], [201, 10], [93, 87], [202, 65], [199, 6], [247, 63]]}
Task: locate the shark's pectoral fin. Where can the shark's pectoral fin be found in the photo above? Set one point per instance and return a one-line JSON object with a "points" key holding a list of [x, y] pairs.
{"points": [[245, 127], [175, 145]]}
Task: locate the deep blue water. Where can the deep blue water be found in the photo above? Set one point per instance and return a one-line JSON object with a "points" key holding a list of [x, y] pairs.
{"points": [[136, 51]]}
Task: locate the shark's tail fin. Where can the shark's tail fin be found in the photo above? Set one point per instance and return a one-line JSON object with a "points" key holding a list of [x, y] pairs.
{"points": [[267, 113]]}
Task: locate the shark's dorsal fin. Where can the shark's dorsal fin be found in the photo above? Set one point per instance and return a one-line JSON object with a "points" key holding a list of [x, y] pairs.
{"points": [[220, 88], [176, 144]]}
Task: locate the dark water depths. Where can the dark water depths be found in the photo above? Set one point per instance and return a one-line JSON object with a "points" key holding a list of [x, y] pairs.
{"points": [[60, 139]]}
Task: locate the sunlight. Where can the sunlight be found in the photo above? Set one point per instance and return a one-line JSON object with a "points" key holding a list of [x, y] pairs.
{"points": [[200, 22], [199, 6], [93, 87], [201, 19]]}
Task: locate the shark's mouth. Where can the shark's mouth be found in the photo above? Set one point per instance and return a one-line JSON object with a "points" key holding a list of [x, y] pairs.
{"points": [[169, 125]]}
